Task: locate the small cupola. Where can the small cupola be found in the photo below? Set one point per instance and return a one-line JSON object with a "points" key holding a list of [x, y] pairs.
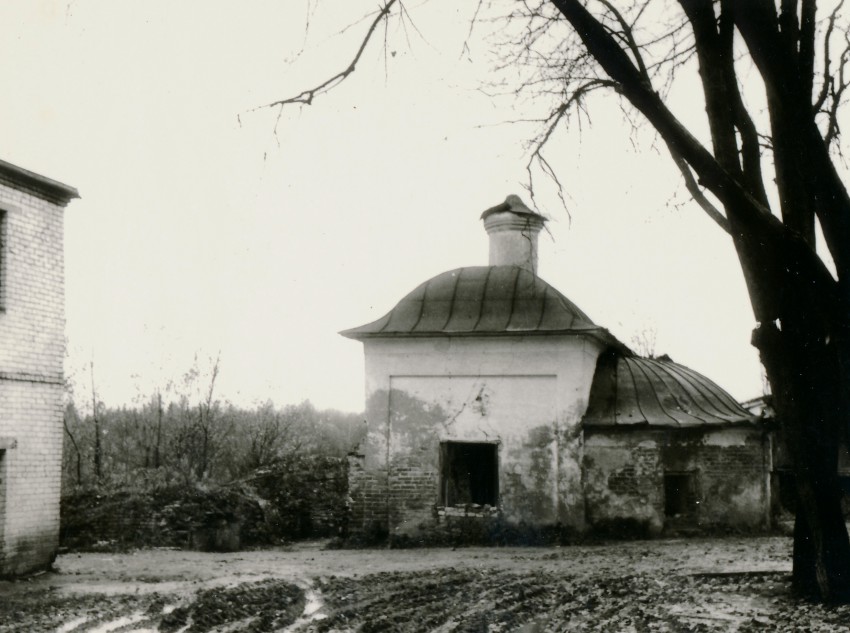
{"points": [[513, 229]]}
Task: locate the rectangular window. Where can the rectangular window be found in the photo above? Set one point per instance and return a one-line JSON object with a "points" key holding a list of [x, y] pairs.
{"points": [[469, 473], [680, 496]]}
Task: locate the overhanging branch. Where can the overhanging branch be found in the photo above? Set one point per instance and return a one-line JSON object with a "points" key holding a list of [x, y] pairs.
{"points": [[552, 121], [696, 193], [306, 97]]}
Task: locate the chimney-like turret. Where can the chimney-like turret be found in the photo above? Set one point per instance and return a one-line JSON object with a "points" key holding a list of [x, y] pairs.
{"points": [[513, 229]]}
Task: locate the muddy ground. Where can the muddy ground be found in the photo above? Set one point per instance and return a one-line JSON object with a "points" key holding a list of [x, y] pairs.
{"points": [[731, 584]]}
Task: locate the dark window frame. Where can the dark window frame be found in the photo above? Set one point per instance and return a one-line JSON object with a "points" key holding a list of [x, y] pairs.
{"points": [[469, 473]]}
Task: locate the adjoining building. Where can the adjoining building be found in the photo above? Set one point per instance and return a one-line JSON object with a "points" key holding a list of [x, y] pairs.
{"points": [[490, 394], [32, 351]]}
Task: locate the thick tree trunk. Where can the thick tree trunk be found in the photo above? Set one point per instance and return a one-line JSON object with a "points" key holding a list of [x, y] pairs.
{"points": [[806, 384], [802, 311]]}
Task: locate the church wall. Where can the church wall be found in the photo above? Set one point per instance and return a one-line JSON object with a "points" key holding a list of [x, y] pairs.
{"points": [[651, 480], [518, 398]]}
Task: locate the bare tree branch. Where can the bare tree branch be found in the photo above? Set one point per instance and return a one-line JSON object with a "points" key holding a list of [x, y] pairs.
{"points": [[697, 194], [552, 122], [628, 37], [827, 71], [838, 86], [305, 97], [465, 50]]}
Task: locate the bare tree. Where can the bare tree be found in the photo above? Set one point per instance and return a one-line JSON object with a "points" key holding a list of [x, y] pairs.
{"points": [[157, 457], [270, 436], [570, 49], [98, 444], [199, 429], [644, 340], [78, 456]]}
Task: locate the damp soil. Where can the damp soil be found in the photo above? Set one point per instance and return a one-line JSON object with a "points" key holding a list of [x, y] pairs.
{"points": [[729, 584]]}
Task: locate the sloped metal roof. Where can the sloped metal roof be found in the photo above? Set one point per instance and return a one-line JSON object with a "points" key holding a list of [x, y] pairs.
{"points": [[630, 391], [482, 300]]}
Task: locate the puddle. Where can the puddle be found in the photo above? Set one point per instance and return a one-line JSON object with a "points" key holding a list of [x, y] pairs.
{"points": [[314, 604], [312, 609]]}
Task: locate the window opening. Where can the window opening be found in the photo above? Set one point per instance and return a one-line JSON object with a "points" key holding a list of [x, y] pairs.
{"points": [[469, 473], [680, 497]]}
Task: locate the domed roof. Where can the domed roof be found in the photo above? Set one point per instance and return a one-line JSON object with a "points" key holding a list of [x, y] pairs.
{"points": [[629, 391], [482, 300]]}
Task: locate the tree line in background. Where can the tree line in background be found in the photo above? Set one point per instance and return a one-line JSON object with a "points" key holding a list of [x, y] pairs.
{"points": [[188, 436]]}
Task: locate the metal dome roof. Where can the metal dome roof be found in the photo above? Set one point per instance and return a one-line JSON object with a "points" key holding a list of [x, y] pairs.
{"points": [[629, 391], [482, 300]]}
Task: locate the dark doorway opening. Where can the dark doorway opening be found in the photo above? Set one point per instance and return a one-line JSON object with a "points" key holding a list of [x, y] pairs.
{"points": [[680, 498], [469, 473]]}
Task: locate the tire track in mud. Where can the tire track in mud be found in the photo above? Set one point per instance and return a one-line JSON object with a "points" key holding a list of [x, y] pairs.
{"points": [[264, 606], [474, 601], [529, 592], [255, 607]]}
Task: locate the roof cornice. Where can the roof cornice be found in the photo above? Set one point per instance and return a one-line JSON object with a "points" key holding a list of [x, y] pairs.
{"points": [[42, 186]]}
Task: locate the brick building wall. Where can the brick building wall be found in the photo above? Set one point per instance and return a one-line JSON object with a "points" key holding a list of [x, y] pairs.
{"points": [[32, 335], [723, 475]]}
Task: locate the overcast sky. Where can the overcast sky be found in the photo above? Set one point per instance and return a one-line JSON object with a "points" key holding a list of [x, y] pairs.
{"points": [[202, 231]]}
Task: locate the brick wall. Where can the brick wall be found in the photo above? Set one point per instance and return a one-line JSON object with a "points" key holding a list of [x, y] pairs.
{"points": [[367, 491], [624, 476], [31, 359], [409, 494], [413, 491], [733, 486]]}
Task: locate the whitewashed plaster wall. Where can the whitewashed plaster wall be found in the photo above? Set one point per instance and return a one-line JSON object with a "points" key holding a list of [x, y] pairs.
{"points": [[526, 393]]}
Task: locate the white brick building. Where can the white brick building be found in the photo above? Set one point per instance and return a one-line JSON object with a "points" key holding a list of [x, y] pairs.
{"points": [[32, 343]]}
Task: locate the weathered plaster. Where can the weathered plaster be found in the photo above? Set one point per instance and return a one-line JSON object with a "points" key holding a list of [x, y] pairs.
{"points": [[526, 394], [624, 473]]}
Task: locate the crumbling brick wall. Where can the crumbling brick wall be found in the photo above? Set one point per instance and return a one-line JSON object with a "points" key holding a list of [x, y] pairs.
{"points": [[367, 497], [733, 484], [408, 493], [728, 469], [413, 489]]}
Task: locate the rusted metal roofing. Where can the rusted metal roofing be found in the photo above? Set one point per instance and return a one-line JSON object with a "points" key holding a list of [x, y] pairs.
{"points": [[482, 300], [629, 391]]}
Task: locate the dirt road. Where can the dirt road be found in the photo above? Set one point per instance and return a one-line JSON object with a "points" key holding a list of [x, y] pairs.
{"points": [[733, 584]]}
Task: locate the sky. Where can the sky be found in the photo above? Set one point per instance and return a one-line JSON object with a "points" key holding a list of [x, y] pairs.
{"points": [[211, 226]]}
